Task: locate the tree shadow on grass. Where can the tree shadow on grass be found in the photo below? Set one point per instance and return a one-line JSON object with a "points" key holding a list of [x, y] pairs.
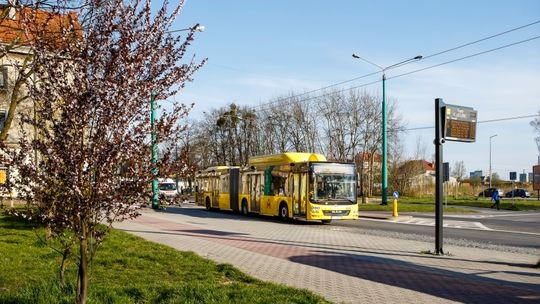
{"points": [[14, 222]]}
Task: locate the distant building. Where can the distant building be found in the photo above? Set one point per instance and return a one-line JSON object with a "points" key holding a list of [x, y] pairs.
{"points": [[420, 176], [531, 177], [477, 173], [523, 177]]}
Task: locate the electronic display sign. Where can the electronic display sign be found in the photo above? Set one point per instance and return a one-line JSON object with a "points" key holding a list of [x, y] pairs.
{"points": [[459, 123]]}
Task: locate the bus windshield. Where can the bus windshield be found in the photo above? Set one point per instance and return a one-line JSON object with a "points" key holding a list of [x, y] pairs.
{"points": [[333, 183]]}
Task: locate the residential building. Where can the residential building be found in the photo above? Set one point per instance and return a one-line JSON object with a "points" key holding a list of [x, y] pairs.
{"points": [[19, 29]]}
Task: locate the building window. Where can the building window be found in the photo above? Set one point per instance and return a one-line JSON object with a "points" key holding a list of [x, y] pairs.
{"points": [[3, 78], [3, 116]]}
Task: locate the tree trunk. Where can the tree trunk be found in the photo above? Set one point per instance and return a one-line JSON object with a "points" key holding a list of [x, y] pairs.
{"points": [[13, 103], [371, 173], [362, 178], [82, 279], [65, 255]]}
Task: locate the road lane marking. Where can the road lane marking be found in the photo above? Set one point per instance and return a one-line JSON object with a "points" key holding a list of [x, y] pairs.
{"points": [[477, 226], [454, 224]]}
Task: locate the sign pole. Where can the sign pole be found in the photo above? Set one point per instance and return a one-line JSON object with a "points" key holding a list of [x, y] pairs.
{"points": [[439, 140], [453, 123]]}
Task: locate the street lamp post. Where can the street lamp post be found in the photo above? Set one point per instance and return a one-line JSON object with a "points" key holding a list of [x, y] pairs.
{"points": [[198, 28], [154, 150], [490, 158], [384, 174], [154, 201]]}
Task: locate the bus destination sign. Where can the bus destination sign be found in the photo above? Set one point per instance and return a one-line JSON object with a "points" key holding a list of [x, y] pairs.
{"points": [[459, 123]]}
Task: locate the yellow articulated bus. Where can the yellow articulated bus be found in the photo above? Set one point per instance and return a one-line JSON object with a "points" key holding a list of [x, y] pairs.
{"points": [[289, 185]]}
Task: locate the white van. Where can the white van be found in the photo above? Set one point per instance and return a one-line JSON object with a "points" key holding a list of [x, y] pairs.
{"points": [[167, 189]]}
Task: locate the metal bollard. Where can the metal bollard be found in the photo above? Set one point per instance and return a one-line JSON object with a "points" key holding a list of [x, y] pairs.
{"points": [[394, 209]]}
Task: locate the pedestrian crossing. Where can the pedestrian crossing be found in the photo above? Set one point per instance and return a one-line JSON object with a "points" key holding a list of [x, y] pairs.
{"points": [[446, 223]]}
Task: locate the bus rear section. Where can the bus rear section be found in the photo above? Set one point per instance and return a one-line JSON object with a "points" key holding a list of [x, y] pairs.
{"points": [[217, 188]]}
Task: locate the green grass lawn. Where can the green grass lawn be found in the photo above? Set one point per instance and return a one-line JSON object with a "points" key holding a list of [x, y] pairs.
{"points": [[473, 201], [127, 269], [411, 204], [410, 207]]}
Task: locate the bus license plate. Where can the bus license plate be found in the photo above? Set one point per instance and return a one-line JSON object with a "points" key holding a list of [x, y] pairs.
{"points": [[337, 217]]}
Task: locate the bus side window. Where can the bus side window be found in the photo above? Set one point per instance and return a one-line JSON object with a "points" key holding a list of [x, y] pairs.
{"points": [[278, 185]]}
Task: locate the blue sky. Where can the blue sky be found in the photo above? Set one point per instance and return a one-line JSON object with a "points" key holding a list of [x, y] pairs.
{"points": [[259, 50]]}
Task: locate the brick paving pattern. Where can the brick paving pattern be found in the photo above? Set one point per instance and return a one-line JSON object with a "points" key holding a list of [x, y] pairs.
{"points": [[342, 266]]}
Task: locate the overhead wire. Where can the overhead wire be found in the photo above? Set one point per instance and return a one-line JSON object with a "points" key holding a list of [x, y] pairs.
{"points": [[479, 40], [465, 57], [267, 104], [479, 122]]}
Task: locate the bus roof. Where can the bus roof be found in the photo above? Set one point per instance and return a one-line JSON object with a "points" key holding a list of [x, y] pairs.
{"points": [[217, 169], [285, 159]]}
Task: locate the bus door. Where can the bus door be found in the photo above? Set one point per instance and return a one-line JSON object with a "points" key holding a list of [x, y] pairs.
{"points": [[215, 192], [303, 192], [234, 184], [255, 191], [298, 194]]}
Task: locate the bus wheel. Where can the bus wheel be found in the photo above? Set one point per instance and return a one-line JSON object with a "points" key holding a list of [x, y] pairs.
{"points": [[207, 203], [244, 208], [326, 221], [283, 211]]}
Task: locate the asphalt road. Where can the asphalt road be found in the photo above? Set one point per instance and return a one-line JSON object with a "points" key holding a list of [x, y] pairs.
{"points": [[504, 228], [488, 227]]}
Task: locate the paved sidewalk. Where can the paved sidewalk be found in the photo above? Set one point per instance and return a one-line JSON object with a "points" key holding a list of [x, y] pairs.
{"points": [[341, 265]]}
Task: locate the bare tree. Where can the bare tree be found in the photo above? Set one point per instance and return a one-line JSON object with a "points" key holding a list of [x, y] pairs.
{"points": [[332, 108], [277, 123], [536, 126], [303, 131], [342, 114], [343, 126], [93, 118], [227, 135], [459, 172]]}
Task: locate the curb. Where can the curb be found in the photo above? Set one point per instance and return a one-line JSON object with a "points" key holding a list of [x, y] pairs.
{"points": [[386, 217]]}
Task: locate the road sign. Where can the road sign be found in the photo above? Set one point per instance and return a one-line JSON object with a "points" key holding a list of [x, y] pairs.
{"points": [[536, 178], [459, 123], [396, 194], [446, 172]]}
